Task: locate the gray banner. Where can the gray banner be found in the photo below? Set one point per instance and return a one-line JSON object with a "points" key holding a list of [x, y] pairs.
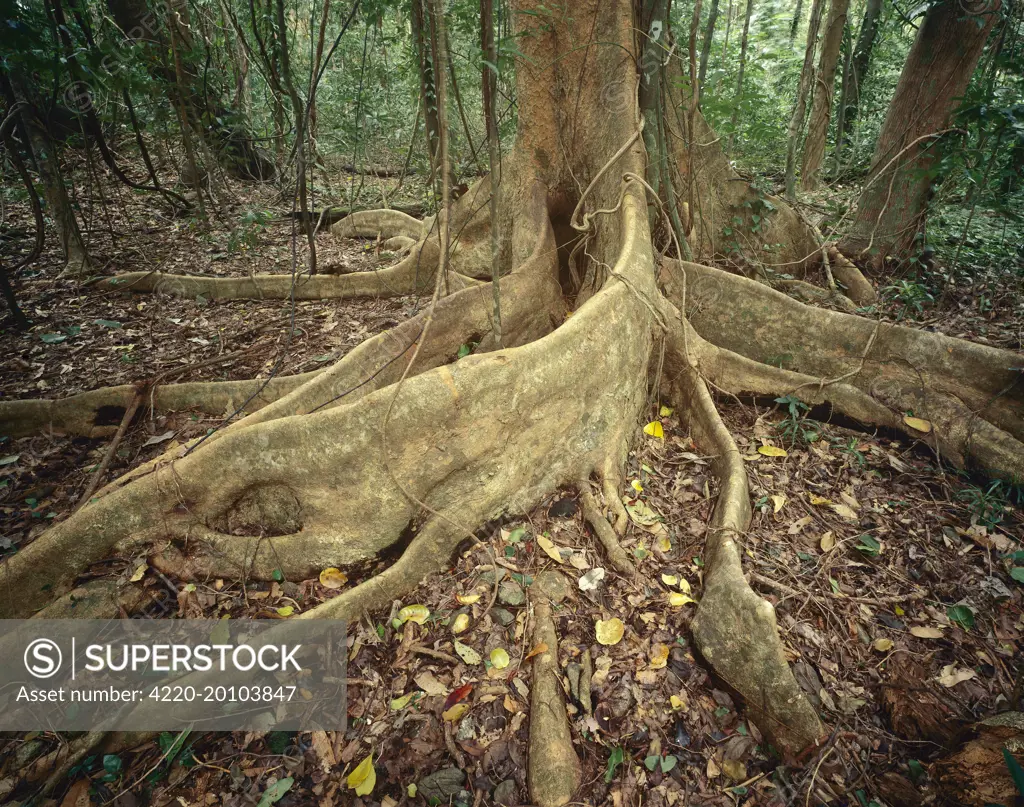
{"points": [[167, 675]]}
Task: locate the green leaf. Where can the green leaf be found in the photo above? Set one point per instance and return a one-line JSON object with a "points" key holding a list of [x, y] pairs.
{"points": [[10, 460], [277, 741], [651, 762], [277, 575], [517, 535], [668, 763], [616, 758], [916, 771], [869, 545], [112, 764], [276, 791], [108, 323], [961, 615], [53, 338], [1017, 573], [1016, 771], [464, 351]]}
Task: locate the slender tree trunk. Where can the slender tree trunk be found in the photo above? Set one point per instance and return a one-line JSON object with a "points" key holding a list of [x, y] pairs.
{"points": [[489, 85], [938, 69], [709, 37], [428, 91], [728, 30], [739, 80], [824, 86], [796, 121], [844, 94], [859, 65], [796, 21]]}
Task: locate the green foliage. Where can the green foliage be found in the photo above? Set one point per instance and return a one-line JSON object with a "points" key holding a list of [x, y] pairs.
{"points": [[796, 428], [989, 504]]}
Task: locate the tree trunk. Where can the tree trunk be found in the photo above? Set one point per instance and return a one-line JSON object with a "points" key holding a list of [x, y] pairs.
{"points": [[824, 86], [739, 79], [709, 38], [796, 21], [794, 135], [940, 64], [859, 65], [429, 445], [844, 93], [428, 92]]}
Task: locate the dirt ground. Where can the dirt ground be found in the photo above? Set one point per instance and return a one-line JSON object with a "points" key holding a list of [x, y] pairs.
{"points": [[892, 575]]}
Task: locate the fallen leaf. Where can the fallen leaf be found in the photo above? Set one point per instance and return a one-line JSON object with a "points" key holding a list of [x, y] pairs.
{"points": [[467, 653], [139, 573], [659, 656], [592, 579], [363, 778], [684, 585], [922, 632], [635, 484], [845, 511], [735, 770], [276, 791], [324, 750], [677, 599], [457, 696], [799, 524], [467, 599], [827, 542], [333, 578], [778, 502], [456, 713], [609, 631], [397, 704], [640, 513], [772, 451], [159, 438], [429, 684], [460, 623], [670, 580], [414, 613], [882, 645], [918, 424], [499, 658], [676, 702], [951, 676], [816, 500], [655, 429], [285, 611], [541, 648], [666, 411], [549, 548]]}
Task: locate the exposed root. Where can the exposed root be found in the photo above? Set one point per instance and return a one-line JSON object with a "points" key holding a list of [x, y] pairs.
{"points": [[382, 224], [97, 413], [735, 629], [810, 293], [617, 556], [971, 395], [846, 272], [553, 774], [398, 243]]}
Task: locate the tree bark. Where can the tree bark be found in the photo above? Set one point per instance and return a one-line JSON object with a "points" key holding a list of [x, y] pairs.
{"points": [[428, 91], [939, 67], [824, 86], [709, 38], [796, 21], [859, 65], [794, 134]]}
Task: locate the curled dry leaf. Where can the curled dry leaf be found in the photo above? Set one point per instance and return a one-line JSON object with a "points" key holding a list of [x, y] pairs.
{"points": [[922, 632], [363, 778], [549, 548], [772, 451], [414, 613], [467, 599], [659, 656], [333, 578], [655, 429], [460, 623], [918, 424]]}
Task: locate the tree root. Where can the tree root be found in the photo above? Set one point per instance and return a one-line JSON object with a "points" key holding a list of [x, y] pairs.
{"points": [[382, 224], [735, 629], [553, 774], [971, 395], [97, 413], [617, 556]]}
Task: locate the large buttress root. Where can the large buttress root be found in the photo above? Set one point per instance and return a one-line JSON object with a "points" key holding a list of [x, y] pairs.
{"points": [[762, 342], [735, 629], [464, 439]]}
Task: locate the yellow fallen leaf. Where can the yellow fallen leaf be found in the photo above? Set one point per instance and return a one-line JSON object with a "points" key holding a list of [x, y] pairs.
{"points": [[659, 656], [951, 675], [735, 770], [499, 658], [666, 411], [467, 653], [882, 645], [818, 499], [684, 585], [772, 451], [669, 579], [285, 611], [139, 573], [609, 631], [899, 611], [662, 542], [467, 599], [828, 542], [635, 484], [676, 599], [655, 429], [918, 424], [333, 578], [677, 703], [457, 712], [397, 704], [926, 633], [460, 623], [363, 778], [778, 502], [799, 524], [549, 548], [414, 613], [845, 511]]}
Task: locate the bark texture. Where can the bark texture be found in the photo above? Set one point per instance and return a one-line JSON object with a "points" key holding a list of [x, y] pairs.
{"points": [[893, 204], [824, 85]]}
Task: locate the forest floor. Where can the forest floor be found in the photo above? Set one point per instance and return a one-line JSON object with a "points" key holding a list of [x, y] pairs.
{"points": [[891, 574]]}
